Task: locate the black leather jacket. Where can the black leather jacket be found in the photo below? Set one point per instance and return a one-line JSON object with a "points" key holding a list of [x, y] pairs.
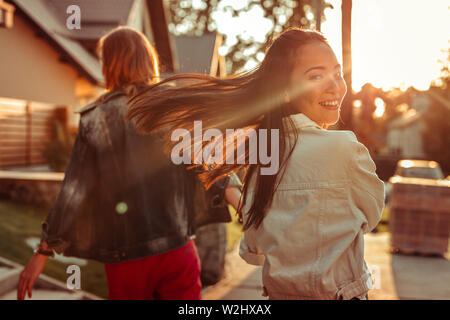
{"points": [[122, 198]]}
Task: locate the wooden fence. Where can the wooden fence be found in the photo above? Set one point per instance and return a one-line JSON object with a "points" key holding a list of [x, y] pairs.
{"points": [[25, 128]]}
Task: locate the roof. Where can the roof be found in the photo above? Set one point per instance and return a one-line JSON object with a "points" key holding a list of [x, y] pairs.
{"points": [[98, 17], [95, 11], [194, 53], [38, 11]]}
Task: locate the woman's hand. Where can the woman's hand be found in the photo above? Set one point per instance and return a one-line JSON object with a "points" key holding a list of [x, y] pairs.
{"points": [[29, 275], [233, 196]]}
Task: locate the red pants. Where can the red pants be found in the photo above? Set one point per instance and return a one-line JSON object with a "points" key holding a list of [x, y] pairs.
{"points": [[172, 275]]}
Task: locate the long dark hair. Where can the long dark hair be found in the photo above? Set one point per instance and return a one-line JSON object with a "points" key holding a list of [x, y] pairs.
{"points": [[254, 99]]}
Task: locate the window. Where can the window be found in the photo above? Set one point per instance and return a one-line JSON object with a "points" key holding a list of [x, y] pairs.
{"points": [[6, 15]]}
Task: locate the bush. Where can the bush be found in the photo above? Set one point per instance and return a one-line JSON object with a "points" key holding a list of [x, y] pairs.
{"points": [[57, 151]]}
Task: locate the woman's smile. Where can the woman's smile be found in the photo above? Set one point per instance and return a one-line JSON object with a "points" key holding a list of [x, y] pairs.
{"points": [[330, 104], [319, 74]]}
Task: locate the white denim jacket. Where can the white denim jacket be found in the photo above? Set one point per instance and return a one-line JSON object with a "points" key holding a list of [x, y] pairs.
{"points": [[311, 243]]}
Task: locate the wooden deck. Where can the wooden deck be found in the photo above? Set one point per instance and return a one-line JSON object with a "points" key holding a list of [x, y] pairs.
{"points": [[27, 187]]}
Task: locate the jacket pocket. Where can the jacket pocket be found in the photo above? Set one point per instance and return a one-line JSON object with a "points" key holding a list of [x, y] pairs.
{"points": [[340, 218], [338, 228]]}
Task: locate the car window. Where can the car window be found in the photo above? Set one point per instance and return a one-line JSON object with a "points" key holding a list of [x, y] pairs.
{"points": [[420, 172]]}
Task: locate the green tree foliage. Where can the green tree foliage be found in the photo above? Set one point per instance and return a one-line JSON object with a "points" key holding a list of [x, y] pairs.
{"points": [[346, 122], [195, 17]]}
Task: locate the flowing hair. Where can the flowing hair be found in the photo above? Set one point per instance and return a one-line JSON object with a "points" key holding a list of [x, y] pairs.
{"points": [[254, 99], [129, 60]]}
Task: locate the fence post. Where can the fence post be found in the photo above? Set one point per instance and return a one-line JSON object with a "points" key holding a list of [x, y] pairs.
{"points": [[28, 134]]}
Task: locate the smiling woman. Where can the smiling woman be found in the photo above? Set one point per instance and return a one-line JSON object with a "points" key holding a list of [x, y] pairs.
{"points": [[263, 99], [317, 84], [305, 223]]}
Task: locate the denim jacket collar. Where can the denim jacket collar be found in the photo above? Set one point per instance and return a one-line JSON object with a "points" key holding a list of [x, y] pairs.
{"points": [[302, 121]]}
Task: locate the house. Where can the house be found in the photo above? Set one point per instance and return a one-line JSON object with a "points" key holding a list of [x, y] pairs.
{"points": [[39, 45], [45, 66], [404, 135]]}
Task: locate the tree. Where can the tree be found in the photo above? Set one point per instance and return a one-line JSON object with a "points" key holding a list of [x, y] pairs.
{"points": [[190, 17], [347, 106], [436, 136]]}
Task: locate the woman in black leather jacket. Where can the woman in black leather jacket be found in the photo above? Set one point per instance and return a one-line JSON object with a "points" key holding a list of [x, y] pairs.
{"points": [[123, 202]]}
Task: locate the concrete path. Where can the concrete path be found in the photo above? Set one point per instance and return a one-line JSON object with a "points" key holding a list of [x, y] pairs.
{"points": [[395, 276], [242, 281]]}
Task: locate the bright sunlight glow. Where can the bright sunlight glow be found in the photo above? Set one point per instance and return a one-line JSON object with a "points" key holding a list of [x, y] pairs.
{"points": [[395, 43]]}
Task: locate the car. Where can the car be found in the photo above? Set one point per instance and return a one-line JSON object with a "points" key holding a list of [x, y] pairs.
{"points": [[419, 169], [411, 168]]}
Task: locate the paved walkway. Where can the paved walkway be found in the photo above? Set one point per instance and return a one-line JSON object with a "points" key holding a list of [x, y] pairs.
{"points": [[396, 276]]}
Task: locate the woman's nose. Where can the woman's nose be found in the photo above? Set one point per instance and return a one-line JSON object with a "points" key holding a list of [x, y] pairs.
{"points": [[333, 84]]}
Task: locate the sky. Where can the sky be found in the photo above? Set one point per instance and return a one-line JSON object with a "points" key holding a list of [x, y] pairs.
{"points": [[395, 43]]}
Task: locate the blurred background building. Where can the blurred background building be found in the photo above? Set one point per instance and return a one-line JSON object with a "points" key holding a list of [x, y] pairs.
{"points": [[48, 68]]}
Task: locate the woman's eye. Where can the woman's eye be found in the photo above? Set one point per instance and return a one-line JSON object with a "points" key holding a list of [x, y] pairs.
{"points": [[316, 77]]}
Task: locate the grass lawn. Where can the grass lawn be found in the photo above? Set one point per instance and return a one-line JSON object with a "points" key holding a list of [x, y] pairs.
{"points": [[19, 222]]}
